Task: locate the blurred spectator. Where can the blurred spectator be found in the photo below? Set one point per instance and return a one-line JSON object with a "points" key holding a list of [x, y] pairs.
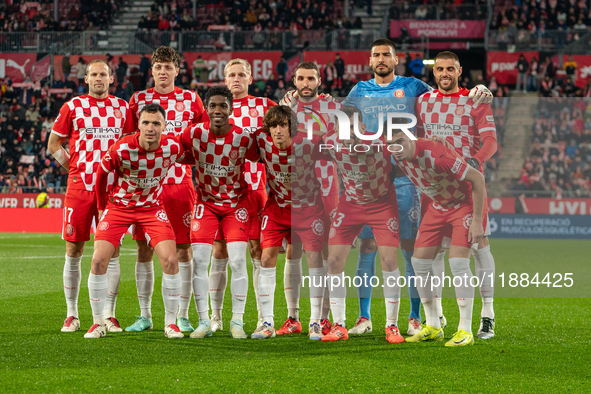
{"points": [[571, 69], [144, 71], [281, 69], [80, 71], [329, 75], [522, 69], [121, 71], [339, 65], [417, 66], [532, 82], [66, 66]]}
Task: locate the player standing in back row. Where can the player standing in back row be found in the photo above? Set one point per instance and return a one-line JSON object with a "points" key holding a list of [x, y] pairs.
{"points": [[183, 108], [91, 123], [449, 113], [248, 112], [388, 93]]}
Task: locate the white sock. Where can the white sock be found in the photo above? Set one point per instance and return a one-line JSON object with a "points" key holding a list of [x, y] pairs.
{"points": [[256, 267], [292, 281], [114, 278], [338, 293], [267, 281], [98, 288], [438, 269], [485, 270], [460, 267], [201, 255], [326, 297], [144, 282], [186, 273], [218, 281], [72, 277], [391, 296], [171, 292], [239, 281], [316, 293], [422, 268]]}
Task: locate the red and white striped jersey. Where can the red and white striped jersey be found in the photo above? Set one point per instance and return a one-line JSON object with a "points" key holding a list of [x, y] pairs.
{"points": [[315, 115], [292, 175], [183, 108], [279, 165], [220, 162], [365, 173], [439, 172], [454, 118], [248, 114], [92, 126], [139, 173]]}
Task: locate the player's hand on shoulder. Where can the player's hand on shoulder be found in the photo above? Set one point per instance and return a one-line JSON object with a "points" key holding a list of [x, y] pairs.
{"points": [[481, 95], [289, 96]]}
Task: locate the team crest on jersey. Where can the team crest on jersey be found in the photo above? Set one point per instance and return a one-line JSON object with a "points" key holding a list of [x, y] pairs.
{"points": [[370, 161], [332, 233], [399, 93], [117, 113], [103, 226], [253, 113], [187, 219], [467, 220], [179, 107], [70, 229], [166, 163], [242, 215], [196, 226], [318, 227], [460, 111], [161, 215], [393, 225], [299, 162], [233, 155], [413, 214]]}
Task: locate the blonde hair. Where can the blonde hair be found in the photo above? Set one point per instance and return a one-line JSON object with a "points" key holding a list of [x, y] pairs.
{"points": [[235, 62], [98, 61]]}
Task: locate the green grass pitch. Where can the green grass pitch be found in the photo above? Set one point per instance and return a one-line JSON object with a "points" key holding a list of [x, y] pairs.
{"points": [[542, 342]]}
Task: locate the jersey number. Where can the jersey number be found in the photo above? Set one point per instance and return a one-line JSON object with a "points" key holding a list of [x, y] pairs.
{"points": [[199, 211], [68, 214], [264, 222], [338, 219]]}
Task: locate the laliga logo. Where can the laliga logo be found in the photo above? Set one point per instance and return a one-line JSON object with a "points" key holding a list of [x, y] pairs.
{"points": [[345, 125]]}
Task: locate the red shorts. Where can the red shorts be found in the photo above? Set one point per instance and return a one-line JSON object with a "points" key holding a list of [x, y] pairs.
{"points": [[298, 225], [232, 222], [179, 201], [116, 221], [331, 203], [79, 210], [381, 216], [256, 200], [454, 224]]}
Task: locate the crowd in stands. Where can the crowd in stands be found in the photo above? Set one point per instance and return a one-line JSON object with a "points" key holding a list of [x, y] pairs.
{"points": [[521, 22], [559, 159], [438, 9], [74, 15]]}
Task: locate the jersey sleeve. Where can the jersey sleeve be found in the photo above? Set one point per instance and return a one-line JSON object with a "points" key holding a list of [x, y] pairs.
{"points": [[421, 87], [351, 99], [252, 153], [448, 161], [485, 124], [186, 139], [129, 127], [133, 108], [109, 163], [198, 110], [63, 123]]}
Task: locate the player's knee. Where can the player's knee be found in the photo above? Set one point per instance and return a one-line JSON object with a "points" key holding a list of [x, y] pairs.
{"points": [[170, 264], [219, 250], [389, 264], [183, 253], [255, 250], [74, 249], [144, 252]]}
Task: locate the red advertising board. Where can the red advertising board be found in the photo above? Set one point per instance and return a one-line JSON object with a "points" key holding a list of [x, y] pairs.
{"points": [[452, 28], [16, 66], [543, 206], [263, 64], [29, 200], [356, 62], [503, 65], [22, 220]]}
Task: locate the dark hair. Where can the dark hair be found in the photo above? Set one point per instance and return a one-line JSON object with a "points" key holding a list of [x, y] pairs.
{"points": [[349, 111], [153, 108], [278, 115], [307, 66], [164, 54], [219, 91], [383, 41], [447, 55]]}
